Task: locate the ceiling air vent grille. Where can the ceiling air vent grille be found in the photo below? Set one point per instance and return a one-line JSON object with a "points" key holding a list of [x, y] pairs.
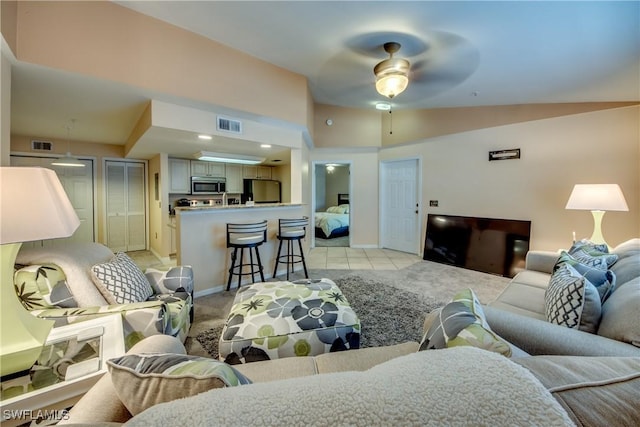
{"points": [[41, 145], [229, 125]]}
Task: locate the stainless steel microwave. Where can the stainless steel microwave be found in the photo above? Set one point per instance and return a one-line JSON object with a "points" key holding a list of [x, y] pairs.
{"points": [[208, 185]]}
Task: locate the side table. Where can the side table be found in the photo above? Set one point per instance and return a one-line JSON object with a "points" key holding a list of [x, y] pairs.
{"points": [[73, 359]]}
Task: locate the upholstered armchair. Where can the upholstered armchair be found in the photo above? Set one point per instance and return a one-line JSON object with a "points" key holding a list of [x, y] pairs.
{"points": [[88, 280]]}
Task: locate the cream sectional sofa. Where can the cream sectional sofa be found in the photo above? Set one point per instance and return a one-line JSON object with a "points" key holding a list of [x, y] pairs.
{"points": [[167, 308], [570, 377], [518, 314], [392, 385]]}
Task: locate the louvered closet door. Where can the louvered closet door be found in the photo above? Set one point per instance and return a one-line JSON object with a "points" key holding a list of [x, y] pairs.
{"points": [[136, 229], [125, 207]]}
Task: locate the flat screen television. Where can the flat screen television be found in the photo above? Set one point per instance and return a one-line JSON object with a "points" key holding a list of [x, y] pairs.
{"points": [[490, 245]]}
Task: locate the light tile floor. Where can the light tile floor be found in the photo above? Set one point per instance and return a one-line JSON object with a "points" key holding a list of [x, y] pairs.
{"points": [[359, 259]]}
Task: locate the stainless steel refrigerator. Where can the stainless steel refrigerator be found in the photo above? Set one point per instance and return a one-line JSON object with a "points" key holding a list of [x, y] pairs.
{"points": [[261, 191]]}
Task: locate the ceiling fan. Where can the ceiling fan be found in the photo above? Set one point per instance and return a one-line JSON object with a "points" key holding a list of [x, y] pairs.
{"points": [[392, 74], [430, 64]]}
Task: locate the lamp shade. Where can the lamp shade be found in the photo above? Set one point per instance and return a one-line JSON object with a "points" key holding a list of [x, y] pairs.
{"points": [[34, 206], [597, 197]]}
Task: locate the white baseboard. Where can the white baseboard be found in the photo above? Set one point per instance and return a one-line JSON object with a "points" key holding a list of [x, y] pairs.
{"points": [[281, 274]]}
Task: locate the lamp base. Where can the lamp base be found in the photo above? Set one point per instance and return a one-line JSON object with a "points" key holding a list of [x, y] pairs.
{"points": [[22, 335], [597, 236]]}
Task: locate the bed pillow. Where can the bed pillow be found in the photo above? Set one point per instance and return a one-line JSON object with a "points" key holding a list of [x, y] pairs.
{"points": [[144, 380], [121, 281], [462, 323], [572, 301], [345, 208], [336, 209]]}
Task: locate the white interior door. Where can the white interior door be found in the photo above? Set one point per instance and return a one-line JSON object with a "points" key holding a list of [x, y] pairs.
{"points": [[400, 208], [78, 184], [125, 206]]}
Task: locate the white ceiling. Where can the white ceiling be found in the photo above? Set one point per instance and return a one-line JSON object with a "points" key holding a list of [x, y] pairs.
{"points": [[462, 54]]}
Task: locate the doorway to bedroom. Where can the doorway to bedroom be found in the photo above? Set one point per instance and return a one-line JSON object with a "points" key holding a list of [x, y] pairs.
{"points": [[331, 216]]}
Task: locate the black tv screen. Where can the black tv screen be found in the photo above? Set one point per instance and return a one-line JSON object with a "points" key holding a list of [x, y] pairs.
{"points": [[490, 245]]}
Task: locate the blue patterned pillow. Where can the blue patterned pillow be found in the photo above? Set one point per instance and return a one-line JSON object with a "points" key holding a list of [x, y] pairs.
{"points": [[603, 280], [592, 255], [144, 380], [589, 245], [572, 301]]}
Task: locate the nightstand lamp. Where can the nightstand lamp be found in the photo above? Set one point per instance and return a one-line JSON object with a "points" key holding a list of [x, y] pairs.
{"points": [[597, 198], [33, 206]]}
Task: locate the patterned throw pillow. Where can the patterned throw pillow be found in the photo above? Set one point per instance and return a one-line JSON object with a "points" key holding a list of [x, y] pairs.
{"points": [[462, 323], [593, 255], [590, 246], [572, 301], [603, 280], [144, 380], [121, 281], [42, 286]]}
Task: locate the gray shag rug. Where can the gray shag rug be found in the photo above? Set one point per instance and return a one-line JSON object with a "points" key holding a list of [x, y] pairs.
{"points": [[392, 296], [388, 315]]}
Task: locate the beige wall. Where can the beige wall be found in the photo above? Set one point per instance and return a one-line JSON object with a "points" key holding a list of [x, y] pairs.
{"points": [[5, 107], [351, 127], [595, 147], [8, 22], [108, 41], [336, 182], [159, 232], [406, 126]]}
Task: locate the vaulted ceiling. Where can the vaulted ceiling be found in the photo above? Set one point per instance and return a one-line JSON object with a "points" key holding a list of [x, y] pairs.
{"points": [[461, 53]]}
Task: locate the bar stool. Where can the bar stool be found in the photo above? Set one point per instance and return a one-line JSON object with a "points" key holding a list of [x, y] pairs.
{"points": [[241, 236], [290, 230]]}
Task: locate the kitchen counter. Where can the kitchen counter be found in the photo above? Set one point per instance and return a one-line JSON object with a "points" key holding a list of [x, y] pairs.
{"points": [[234, 206], [201, 237]]}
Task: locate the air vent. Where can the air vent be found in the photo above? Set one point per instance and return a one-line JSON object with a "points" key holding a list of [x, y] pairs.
{"points": [[229, 125], [41, 145]]}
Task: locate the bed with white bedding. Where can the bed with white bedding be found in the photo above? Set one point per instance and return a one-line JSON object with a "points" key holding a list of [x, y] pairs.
{"points": [[334, 222]]}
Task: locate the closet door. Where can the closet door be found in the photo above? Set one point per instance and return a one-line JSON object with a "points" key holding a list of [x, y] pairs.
{"points": [[125, 206]]}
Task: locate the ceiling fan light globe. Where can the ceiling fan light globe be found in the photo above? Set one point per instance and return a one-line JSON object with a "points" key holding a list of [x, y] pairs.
{"points": [[391, 85]]}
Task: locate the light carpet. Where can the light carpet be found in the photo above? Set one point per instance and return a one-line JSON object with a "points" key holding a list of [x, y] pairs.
{"points": [[423, 286]]}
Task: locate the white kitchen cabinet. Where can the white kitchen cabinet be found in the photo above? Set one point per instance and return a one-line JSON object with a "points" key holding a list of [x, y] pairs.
{"points": [[264, 172], [214, 169], [234, 178], [179, 176], [256, 172]]}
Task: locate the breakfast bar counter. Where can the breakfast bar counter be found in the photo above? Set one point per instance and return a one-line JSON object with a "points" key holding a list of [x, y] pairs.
{"points": [[202, 240]]}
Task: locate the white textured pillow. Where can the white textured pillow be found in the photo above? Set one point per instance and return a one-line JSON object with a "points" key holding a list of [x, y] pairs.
{"points": [[121, 281]]}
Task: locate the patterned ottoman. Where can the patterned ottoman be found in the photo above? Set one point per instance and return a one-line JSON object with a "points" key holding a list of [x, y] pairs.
{"points": [[272, 320]]}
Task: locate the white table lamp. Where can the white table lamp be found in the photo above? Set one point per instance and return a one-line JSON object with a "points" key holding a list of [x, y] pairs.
{"points": [[33, 206], [597, 198]]}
